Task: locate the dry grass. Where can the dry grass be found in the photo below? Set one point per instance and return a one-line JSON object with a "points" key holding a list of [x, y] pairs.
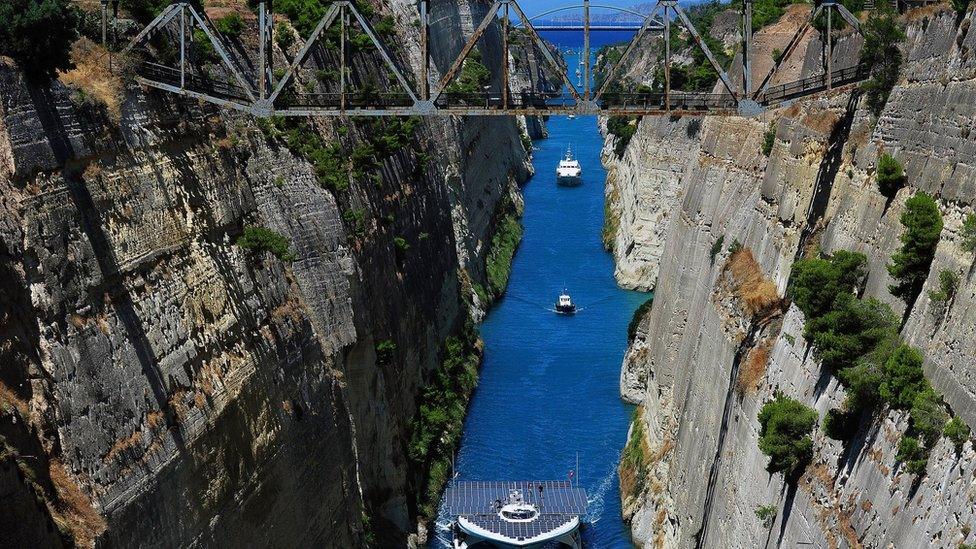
{"points": [[155, 419], [759, 295], [9, 398], [75, 508], [122, 445], [753, 369], [92, 78]]}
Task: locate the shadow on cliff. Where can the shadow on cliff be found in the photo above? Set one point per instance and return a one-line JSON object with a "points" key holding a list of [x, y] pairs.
{"points": [[827, 172]]}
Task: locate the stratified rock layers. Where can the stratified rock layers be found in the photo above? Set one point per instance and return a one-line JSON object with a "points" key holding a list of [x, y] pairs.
{"points": [[200, 393], [705, 476]]}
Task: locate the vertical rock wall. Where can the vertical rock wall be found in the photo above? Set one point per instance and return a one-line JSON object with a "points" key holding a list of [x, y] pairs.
{"points": [[198, 393], [705, 476]]}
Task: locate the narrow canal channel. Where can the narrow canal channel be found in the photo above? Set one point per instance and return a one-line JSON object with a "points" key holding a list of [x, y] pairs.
{"points": [[549, 382]]}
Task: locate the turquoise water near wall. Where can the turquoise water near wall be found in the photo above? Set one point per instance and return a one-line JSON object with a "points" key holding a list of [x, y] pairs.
{"points": [[549, 386]]}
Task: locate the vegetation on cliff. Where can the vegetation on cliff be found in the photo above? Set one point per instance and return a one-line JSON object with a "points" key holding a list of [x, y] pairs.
{"points": [[501, 252], [784, 435], [38, 34], [639, 315], [890, 175], [635, 458], [623, 128], [882, 35], [473, 76], [262, 239], [858, 340], [910, 265], [436, 429]]}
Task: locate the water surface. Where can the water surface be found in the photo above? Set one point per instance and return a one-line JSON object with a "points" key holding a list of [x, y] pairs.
{"points": [[549, 382]]}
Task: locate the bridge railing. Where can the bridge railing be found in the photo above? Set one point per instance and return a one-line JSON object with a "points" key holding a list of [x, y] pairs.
{"points": [[353, 100], [198, 83], [495, 100], [678, 101], [815, 83]]}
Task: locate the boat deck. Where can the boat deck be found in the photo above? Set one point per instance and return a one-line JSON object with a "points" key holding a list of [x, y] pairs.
{"points": [[559, 505]]}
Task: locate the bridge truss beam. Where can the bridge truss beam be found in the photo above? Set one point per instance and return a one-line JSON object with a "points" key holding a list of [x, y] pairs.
{"points": [[262, 94]]}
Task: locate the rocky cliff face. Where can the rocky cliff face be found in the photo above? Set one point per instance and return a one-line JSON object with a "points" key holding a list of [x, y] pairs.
{"points": [[162, 385], [682, 187]]}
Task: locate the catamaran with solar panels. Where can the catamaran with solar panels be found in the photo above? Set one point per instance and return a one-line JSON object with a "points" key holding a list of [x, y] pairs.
{"points": [[523, 514]]}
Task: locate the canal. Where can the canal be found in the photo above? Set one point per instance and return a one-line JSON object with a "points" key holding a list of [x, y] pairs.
{"points": [[549, 383]]}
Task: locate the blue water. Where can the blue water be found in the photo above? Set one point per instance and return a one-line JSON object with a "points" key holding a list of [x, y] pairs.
{"points": [[549, 383]]}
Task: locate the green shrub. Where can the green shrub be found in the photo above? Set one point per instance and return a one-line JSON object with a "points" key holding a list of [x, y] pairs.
{"points": [[623, 128], [284, 36], [262, 239], [948, 286], [633, 457], [503, 244], [38, 35], [401, 243], [912, 454], [735, 246], [959, 5], [436, 427], [861, 383], [968, 234], [957, 432], [145, 11], [716, 248], [766, 514], [904, 378], [230, 25], [815, 284], [882, 34], [838, 425], [769, 139], [854, 329], [636, 319], [785, 434], [203, 46], [303, 14], [890, 175], [385, 350], [473, 76], [356, 218], [929, 416], [910, 265]]}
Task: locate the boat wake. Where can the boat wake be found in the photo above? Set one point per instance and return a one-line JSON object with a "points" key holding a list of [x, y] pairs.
{"points": [[595, 503], [442, 534]]}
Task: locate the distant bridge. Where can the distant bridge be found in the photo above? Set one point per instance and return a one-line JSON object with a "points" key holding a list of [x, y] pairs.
{"points": [[181, 32]]}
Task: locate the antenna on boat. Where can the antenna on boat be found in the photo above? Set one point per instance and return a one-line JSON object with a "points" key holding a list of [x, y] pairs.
{"points": [[577, 468]]}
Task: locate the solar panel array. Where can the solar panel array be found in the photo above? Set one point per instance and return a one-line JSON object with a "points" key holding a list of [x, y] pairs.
{"points": [[558, 497], [520, 530]]}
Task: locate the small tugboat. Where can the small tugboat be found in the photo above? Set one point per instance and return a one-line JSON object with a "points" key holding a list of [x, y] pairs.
{"points": [[569, 173], [565, 305]]}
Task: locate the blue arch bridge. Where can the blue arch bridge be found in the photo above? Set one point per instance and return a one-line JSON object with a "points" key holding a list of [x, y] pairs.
{"points": [[166, 54]]}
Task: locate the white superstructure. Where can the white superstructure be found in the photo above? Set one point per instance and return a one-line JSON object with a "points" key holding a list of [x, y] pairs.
{"points": [[569, 172]]}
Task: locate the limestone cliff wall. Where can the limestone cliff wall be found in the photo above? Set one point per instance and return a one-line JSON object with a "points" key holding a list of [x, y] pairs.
{"points": [[705, 476], [161, 385]]}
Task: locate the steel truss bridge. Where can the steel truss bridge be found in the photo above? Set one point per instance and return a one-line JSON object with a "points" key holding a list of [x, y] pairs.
{"points": [[253, 87]]}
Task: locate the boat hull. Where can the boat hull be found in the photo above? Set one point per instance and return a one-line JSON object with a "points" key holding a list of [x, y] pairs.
{"points": [[569, 180], [566, 309]]}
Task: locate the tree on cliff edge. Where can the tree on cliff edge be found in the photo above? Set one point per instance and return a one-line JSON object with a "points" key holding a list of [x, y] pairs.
{"points": [[38, 34], [880, 53], [910, 265]]}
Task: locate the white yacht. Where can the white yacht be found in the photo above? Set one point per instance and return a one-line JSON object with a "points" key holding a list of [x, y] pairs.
{"points": [[515, 515], [569, 173]]}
